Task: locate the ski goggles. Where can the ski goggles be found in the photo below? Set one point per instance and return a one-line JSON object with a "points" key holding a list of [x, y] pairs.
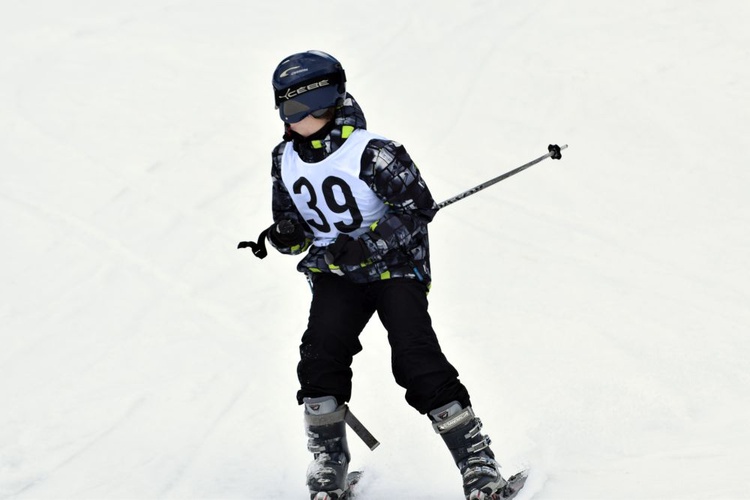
{"points": [[310, 97]]}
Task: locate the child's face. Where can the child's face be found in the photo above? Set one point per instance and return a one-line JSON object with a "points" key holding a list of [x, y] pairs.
{"points": [[308, 125]]}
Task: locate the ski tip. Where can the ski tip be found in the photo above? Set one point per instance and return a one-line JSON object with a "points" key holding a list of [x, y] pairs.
{"points": [[514, 485], [354, 476], [352, 479], [518, 479]]}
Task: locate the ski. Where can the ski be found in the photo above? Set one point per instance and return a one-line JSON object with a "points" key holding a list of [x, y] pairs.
{"points": [[515, 483], [351, 490], [349, 494], [507, 492]]}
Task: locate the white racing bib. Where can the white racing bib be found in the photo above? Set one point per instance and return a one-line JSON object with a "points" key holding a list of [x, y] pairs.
{"points": [[329, 194]]}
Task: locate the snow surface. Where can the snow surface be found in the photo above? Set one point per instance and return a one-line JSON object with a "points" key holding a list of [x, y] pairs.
{"points": [[596, 307]]}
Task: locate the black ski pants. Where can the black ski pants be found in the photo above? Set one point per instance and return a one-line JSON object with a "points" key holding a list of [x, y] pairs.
{"points": [[339, 312]]}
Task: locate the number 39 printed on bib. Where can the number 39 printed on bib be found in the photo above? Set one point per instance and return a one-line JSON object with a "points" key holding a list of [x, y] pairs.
{"points": [[329, 194]]}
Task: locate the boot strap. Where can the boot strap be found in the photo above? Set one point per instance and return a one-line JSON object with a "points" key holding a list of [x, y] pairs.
{"points": [[457, 420], [344, 413]]}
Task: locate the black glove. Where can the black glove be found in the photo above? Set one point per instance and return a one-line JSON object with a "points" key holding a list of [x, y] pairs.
{"points": [[346, 250], [286, 233]]}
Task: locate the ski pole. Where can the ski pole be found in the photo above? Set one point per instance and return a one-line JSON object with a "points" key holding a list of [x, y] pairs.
{"points": [[554, 153]]}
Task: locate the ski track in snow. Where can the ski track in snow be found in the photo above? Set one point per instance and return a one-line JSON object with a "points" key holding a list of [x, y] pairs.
{"points": [[80, 451]]}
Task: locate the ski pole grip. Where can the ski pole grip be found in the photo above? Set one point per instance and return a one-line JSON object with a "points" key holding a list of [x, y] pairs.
{"points": [[555, 151]]}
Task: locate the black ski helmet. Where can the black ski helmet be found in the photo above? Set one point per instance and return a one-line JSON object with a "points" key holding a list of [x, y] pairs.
{"points": [[307, 82]]}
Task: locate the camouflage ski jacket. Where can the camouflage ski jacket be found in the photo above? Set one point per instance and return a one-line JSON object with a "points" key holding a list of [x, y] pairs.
{"points": [[398, 242]]}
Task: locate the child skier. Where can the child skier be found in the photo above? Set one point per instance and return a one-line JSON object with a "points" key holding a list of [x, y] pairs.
{"points": [[357, 204]]}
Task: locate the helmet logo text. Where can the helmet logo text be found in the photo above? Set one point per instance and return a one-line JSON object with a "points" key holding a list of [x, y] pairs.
{"points": [[291, 93], [287, 71]]}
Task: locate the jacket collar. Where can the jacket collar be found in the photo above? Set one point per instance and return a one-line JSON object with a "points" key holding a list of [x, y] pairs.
{"points": [[326, 141]]}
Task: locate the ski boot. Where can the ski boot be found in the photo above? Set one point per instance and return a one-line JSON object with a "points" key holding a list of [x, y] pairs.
{"points": [[326, 432], [461, 431]]}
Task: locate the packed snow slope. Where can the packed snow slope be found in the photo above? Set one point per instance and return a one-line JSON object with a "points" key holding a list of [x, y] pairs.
{"points": [[597, 307]]}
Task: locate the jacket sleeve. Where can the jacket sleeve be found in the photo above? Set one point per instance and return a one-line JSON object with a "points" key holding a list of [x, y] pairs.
{"points": [[392, 175], [283, 207]]}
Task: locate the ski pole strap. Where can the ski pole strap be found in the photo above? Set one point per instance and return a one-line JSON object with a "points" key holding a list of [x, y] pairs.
{"points": [[259, 249], [360, 430]]}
